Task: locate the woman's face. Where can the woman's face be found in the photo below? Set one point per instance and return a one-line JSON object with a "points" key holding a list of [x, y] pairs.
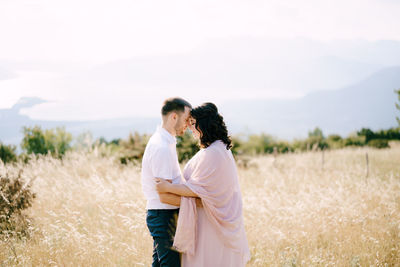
{"points": [[192, 127]]}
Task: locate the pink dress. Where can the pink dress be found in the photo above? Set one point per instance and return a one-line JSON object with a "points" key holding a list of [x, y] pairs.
{"points": [[213, 235]]}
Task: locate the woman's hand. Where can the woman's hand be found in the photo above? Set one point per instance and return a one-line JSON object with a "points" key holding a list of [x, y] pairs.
{"points": [[162, 185], [199, 203], [166, 186]]}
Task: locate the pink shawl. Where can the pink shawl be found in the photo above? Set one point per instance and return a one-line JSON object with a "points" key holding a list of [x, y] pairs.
{"points": [[212, 175]]}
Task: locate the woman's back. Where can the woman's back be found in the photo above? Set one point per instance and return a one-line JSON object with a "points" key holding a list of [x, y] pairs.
{"points": [[220, 235]]}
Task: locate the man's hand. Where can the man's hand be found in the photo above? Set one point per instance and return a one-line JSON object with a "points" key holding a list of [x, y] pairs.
{"points": [[162, 185]]}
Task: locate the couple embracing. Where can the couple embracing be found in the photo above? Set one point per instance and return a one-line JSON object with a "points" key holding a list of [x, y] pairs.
{"points": [[195, 220]]}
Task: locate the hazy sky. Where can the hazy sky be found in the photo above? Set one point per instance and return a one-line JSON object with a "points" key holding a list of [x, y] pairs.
{"points": [[104, 59]]}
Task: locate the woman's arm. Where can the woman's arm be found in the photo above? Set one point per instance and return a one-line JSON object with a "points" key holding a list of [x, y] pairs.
{"points": [[169, 198], [175, 200], [163, 186]]}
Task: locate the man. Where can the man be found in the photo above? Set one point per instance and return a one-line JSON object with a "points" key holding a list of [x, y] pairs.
{"points": [[160, 160]]}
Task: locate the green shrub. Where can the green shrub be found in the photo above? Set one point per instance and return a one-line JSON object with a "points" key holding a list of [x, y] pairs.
{"points": [[15, 198], [7, 153], [316, 140], [379, 143], [237, 146], [335, 138], [186, 147], [335, 141], [258, 144], [299, 145], [354, 141], [132, 149], [283, 147]]}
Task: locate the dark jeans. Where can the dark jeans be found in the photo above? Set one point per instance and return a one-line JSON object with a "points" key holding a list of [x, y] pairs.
{"points": [[162, 226]]}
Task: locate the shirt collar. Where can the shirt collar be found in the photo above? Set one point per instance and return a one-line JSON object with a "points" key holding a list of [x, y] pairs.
{"points": [[169, 137]]}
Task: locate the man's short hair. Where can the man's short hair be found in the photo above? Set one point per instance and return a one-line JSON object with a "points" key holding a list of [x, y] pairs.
{"points": [[174, 104]]}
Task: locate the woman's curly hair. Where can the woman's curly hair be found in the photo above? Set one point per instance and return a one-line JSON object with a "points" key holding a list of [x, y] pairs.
{"points": [[211, 125]]}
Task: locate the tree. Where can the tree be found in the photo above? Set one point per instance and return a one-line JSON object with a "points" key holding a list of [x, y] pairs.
{"points": [[317, 132], [369, 134], [316, 139], [37, 141], [34, 141]]}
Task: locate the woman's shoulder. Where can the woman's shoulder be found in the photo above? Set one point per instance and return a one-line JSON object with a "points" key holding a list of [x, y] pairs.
{"points": [[217, 145], [210, 153], [215, 150]]}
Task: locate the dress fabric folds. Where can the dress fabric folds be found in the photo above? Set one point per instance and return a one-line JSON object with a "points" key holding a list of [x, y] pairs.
{"points": [[213, 235]]}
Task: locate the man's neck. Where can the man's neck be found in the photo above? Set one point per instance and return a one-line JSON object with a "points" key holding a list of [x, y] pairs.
{"points": [[169, 129]]}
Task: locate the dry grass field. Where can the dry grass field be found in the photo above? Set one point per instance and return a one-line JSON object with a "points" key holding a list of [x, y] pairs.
{"points": [[299, 211]]}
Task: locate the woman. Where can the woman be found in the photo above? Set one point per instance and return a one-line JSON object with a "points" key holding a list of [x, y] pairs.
{"points": [[212, 235]]}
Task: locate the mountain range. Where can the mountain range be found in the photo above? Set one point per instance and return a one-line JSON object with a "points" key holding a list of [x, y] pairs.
{"points": [[369, 103]]}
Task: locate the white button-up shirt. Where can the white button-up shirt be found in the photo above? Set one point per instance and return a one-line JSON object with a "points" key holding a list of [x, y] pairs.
{"points": [[159, 160]]}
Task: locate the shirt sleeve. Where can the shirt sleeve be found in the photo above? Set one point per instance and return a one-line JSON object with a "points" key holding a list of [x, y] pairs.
{"points": [[161, 164]]}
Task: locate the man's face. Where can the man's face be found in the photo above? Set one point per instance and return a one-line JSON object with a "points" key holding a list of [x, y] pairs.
{"points": [[182, 122]]}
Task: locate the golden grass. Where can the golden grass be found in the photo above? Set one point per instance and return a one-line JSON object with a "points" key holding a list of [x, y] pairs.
{"points": [[89, 211]]}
